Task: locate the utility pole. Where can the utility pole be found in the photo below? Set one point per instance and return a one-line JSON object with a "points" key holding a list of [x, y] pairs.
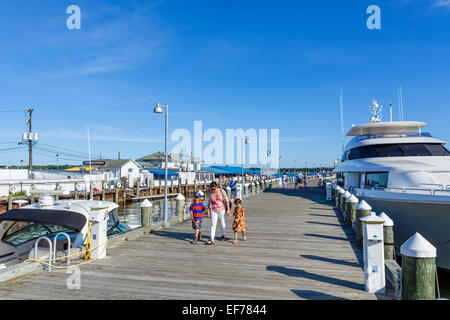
{"points": [[30, 142]]}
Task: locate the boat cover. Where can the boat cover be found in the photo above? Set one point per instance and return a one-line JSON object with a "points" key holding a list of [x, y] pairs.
{"points": [[65, 218]]}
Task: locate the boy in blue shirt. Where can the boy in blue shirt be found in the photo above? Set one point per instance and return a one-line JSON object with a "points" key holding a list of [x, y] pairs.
{"points": [[196, 209]]}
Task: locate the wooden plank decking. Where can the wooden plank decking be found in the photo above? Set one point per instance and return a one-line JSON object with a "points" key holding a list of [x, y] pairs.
{"points": [[296, 249]]}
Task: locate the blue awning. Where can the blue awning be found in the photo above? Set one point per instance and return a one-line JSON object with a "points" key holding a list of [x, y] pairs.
{"points": [[163, 172], [229, 170]]}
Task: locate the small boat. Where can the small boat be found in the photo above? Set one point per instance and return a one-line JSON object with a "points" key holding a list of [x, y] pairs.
{"points": [[21, 228]]}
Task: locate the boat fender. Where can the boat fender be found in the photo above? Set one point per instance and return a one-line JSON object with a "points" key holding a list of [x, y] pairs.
{"points": [[87, 254]]}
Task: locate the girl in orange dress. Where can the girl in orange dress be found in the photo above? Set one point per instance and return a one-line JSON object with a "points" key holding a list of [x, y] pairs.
{"points": [[239, 223]]}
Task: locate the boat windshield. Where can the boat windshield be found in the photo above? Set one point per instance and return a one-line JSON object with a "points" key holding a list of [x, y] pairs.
{"points": [[21, 232], [397, 150]]}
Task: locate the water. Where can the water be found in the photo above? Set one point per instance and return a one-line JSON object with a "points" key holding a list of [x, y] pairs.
{"points": [[130, 214]]}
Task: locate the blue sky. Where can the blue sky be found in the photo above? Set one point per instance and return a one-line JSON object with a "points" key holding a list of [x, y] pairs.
{"points": [[231, 64]]}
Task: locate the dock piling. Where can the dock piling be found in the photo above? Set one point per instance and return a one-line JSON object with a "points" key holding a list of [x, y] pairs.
{"points": [[362, 209], [180, 201], [345, 197], [340, 200], [10, 196], [146, 215], [418, 269], [388, 235], [352, 202]]}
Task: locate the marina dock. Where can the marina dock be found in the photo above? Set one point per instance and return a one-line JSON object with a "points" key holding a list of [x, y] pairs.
{"points": [[297, 248]]}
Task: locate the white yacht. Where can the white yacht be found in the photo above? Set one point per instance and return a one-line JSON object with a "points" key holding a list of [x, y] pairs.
{"points": [[405, 172]]}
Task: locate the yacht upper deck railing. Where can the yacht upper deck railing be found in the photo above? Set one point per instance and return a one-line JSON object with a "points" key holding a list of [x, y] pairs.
{"points": [[406, 135]]}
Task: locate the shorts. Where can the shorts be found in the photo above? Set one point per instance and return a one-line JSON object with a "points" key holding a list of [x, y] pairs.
{"points": [[197, 224]]}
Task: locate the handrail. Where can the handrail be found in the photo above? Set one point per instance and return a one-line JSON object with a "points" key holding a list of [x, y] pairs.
{"points": [[432, 184], [68, 246], [49, 247], [419, 189], [443, 190]]}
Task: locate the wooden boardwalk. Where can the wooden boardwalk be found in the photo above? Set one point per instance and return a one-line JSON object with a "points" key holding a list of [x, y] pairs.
{"points": [[297, 248]]}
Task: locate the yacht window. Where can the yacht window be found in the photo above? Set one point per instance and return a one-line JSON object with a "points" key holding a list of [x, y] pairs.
{"points": [[377, 180], [398, 150], [21, 232]]}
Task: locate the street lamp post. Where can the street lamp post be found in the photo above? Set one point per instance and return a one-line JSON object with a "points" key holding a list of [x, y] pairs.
{"points": [[279, 165], [242, 168], [57, 162], [158, 109]]}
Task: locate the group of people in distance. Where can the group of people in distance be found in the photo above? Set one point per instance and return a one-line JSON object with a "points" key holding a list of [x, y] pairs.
{"points": [[300, 180], [217, 206]]}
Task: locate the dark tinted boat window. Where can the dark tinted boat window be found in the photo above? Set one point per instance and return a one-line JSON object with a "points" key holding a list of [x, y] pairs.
{"points": [[398, 150], [21, 232]]}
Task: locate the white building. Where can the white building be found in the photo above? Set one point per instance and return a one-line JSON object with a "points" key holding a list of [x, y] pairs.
{"points": [[174, 161], [117, 169]]}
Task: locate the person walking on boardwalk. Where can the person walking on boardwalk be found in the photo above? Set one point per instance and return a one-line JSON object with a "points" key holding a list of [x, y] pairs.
{"points": [[218, 205], [239, 223], [300, 180], [232, 186], [284, 179], [196, 209]]}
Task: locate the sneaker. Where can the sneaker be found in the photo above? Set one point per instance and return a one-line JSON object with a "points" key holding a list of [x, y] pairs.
{"points": [[194, 242]]}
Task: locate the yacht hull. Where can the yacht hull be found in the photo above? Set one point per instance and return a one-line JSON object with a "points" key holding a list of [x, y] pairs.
{"points": [[430, 219]]}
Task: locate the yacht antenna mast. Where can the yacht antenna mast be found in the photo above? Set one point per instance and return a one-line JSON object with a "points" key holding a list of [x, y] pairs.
{"points": [[400, 103], [375, 110], [342, 120], [390, 110]]}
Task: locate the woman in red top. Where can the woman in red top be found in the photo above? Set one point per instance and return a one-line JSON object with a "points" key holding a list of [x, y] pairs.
{"points": [[218, 206]]}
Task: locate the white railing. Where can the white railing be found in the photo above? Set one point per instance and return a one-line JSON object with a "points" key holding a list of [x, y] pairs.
{"points": [[426, 191]]}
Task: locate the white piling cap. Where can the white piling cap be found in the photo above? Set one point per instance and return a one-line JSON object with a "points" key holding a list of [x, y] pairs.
{"points": [[352, 199], [372, 218], [20, 202], [347, 195], [418, 247], [387, 221], [146, 204], [363, 206], [180, 197]]}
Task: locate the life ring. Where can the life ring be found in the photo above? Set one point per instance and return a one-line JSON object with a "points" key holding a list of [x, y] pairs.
{"points": [[105, 186], [119, 184], [12, 189]]}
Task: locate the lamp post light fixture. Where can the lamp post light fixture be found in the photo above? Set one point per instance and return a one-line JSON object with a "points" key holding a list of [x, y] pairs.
{"points": [[159, 109]]}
